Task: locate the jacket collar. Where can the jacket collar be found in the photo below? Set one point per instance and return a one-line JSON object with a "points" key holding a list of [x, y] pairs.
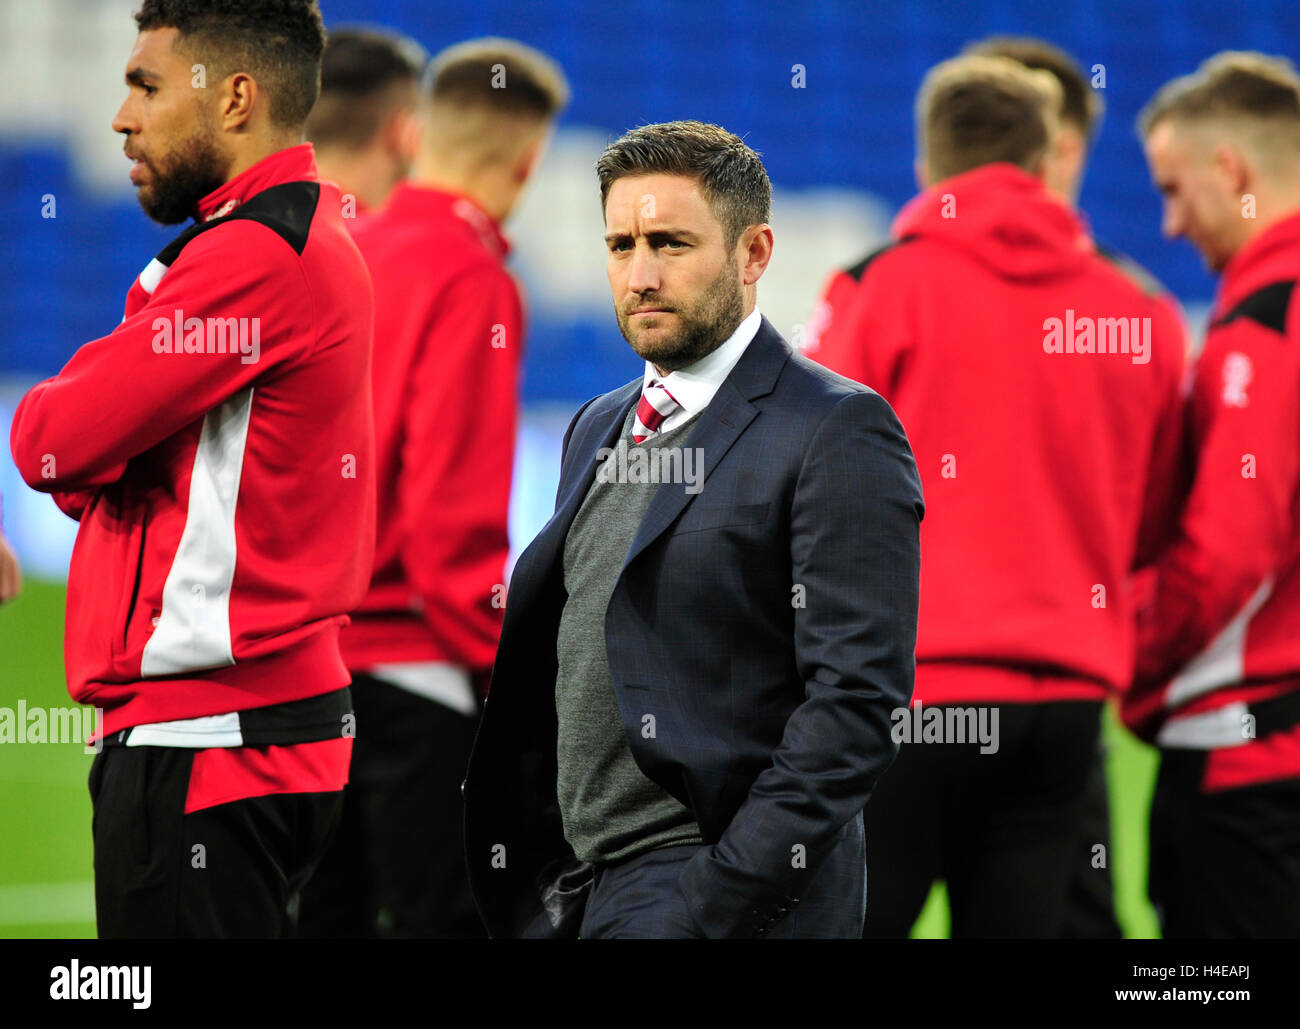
{"points": [[411, 198], [1268, 258], [293, 164], [753, 376], [719, 426], [693, 387], [1003, 217]]}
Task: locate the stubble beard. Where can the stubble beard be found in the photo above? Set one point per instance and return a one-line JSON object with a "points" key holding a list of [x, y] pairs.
{"points": [[708, 324], [181, 178]]}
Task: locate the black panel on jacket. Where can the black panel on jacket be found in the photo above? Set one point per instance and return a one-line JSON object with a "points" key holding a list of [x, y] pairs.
{"points": [[287, 209], [856, 272], [1267, 306]]}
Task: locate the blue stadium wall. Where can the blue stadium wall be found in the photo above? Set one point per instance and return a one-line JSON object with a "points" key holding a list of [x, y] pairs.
{"points": [[849, 128]]}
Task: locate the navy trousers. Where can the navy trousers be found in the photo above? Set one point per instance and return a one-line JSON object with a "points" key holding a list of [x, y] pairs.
{"points": [[638, 899]]}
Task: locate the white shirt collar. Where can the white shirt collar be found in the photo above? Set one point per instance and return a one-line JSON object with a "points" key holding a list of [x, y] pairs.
{"points": [[694, 386]]}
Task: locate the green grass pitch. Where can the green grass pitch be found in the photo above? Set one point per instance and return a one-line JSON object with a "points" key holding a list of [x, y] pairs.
{"points": [[45, 850]]}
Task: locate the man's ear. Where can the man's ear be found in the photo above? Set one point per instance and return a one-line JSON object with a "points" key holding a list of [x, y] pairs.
{"points": [[1070, 149], [527, 160], [238, 96], [1230, 168], [403, 134], [756, 252], [1068, 145]]}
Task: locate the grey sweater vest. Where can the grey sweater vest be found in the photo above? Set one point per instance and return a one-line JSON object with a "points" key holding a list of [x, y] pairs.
{"points": [[610, 809]]}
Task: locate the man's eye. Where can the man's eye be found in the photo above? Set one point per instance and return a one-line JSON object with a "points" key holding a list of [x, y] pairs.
{"points": [[674, 243]]}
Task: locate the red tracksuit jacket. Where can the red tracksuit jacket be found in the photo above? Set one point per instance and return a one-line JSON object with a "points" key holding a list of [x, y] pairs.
{"points": [[448, 346], [225, 492], [1221, 635], [1046, 474]]}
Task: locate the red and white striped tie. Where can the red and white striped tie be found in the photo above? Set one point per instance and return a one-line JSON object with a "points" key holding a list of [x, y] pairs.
{"points": [[655, 405]]}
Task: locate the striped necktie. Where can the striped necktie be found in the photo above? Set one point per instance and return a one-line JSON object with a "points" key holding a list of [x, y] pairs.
{"points": [[655, 405]]}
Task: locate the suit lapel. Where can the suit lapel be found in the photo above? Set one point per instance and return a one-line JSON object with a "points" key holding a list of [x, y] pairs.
{"points": [[720, 425], [601, 430]]}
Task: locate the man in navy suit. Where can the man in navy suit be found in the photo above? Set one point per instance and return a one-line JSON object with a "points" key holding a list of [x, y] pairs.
{"points": [[704, 648]]}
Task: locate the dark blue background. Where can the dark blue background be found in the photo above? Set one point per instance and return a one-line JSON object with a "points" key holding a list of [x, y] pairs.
{"points": [[639, 61]]}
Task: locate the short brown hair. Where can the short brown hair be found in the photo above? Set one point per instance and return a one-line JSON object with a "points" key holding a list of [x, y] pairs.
{"points": [[1082, 106], [279, 42], [976, 110], [502, 74], [1234, 86], [730, 174], [366, 74]]}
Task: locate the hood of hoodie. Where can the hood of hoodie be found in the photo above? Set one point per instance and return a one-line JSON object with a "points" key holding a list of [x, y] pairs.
{"points": [[1003, 217], [1267, 258]]}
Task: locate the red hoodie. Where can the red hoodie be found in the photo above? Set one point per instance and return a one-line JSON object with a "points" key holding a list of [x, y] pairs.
{"points": [[225, 492], [1048, 474], [448, 346], [1221, 639]]}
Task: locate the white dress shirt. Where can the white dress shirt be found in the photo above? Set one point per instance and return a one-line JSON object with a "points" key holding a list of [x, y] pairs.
{"points": [[694, 386]]}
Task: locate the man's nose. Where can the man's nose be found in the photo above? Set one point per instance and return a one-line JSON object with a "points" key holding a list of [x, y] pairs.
{"points": [[122, 121], [1173, 221], [643, 274]]}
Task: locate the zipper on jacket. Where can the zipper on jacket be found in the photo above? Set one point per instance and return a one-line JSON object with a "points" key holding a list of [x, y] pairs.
{"points": [[135, 589]]}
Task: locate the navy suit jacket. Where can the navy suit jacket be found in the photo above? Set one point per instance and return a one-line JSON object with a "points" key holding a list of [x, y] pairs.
{"points": [[768, 624]]}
